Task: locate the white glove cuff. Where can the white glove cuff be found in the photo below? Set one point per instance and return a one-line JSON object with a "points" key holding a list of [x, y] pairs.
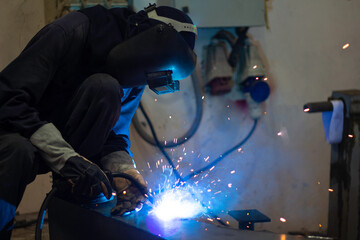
{"points": [[52, 147], [119, 161]]}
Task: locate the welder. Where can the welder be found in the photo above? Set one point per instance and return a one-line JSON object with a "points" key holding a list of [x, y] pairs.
{"points": [[66, 102]]}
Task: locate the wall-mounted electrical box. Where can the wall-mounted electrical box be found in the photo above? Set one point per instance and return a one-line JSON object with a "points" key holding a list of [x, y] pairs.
{"points": [[228, 13]]}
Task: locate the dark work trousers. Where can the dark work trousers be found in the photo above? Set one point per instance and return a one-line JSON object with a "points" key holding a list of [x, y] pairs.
{"points": [[90, 116]]}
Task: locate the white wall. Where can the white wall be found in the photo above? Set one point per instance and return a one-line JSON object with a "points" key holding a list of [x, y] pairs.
{"points": [[282, 176], [19, 21]]}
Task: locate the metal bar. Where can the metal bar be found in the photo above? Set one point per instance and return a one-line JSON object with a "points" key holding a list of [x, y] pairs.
{"points": [[344, 199], [315, 107]]}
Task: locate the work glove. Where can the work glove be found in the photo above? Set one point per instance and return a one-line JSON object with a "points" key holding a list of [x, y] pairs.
{"points": [[86, 178], [130, 193]]}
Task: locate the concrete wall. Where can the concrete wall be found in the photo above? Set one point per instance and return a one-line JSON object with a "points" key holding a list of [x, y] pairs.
{"points": [[283, 176], [19, 21]]}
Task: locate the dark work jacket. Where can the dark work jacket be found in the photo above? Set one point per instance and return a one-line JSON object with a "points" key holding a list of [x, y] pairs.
{"points": [[38, 85]]}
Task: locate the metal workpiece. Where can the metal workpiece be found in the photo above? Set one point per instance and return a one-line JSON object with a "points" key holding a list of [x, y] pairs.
{"points": [[72, 221], [351, 99], [248, 218]]}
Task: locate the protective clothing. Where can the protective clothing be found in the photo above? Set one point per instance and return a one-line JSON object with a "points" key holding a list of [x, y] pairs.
{"points": [[134, 64], [59, 82], [156, 55], [86, 178]]}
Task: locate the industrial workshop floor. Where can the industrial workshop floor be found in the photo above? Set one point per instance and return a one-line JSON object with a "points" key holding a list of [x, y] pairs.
{"points": [[25, 227], [28, 233]]}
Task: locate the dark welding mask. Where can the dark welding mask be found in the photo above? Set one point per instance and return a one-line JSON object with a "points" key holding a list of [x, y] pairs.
{"points": [[158, 56]]}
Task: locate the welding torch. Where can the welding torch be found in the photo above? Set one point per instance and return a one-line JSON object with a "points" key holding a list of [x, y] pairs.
{"points": [[143, 190]]}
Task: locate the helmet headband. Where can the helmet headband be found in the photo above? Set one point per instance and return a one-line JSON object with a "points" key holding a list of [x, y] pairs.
{"points": [[178, 26]]}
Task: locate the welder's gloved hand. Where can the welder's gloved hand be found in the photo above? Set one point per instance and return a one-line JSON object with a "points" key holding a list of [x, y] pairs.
{"points": [[129, 195], [85, 177]]}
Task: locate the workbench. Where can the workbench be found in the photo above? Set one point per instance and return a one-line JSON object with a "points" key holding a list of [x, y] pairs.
{"points": [[73, 221]]}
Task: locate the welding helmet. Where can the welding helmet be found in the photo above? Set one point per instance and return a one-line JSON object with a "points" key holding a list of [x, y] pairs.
{"points": [[158, 56]]}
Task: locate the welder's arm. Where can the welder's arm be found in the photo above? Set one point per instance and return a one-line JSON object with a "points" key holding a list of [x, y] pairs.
{"points": [[85, 177], [24, 80], [22, 85]]}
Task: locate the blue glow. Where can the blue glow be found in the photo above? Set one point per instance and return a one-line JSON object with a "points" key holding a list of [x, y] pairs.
{"points": [[139, 208], [177, 203], [162, 228], [101, 199], [42, 219], [126, 214]]}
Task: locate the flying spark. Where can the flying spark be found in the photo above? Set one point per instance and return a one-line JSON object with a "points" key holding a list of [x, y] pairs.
{"points": [[345, 46]]}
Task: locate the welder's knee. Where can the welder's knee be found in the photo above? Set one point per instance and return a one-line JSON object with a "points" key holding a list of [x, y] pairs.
{"points": [[17, 154], [104, 87]]}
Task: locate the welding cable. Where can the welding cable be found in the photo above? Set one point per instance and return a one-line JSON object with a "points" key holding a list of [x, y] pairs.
{"points": [[213, 163], [163, 151], [159, 145], [42, 212], [222, 156], [225, 35], [133, 180], [194, 127]]}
